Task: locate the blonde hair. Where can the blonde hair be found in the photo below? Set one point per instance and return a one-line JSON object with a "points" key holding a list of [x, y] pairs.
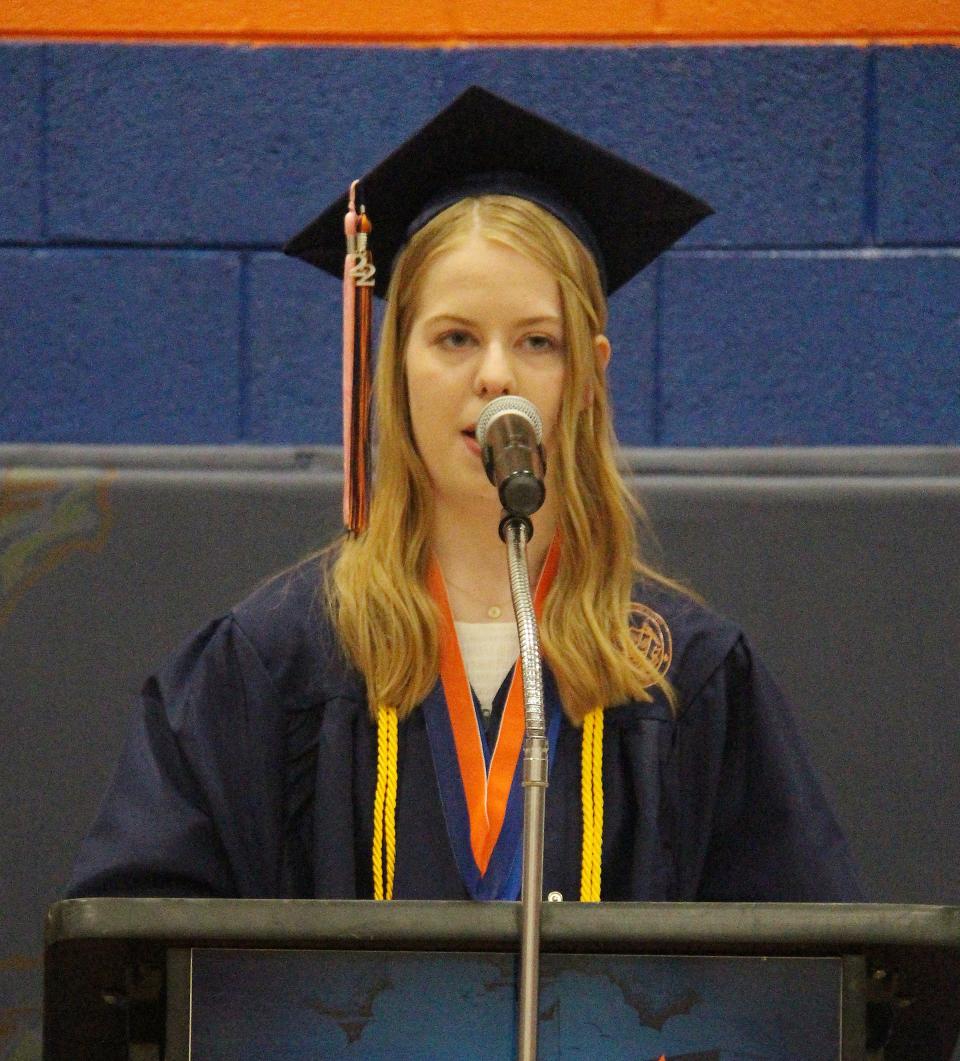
{"points": [[376, 593]]}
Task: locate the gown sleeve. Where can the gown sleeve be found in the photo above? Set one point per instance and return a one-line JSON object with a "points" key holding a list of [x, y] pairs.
{"points": [[194, 808], [762, 824]]}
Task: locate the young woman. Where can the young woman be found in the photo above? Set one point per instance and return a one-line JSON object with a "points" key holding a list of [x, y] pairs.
{"points": [[354, 729]]}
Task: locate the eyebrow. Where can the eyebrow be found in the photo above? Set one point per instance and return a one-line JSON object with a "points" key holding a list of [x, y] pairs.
{"points": [[526, 322]]}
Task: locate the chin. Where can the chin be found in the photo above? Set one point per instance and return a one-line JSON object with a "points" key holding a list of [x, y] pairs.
{"points": [[476, 496]]}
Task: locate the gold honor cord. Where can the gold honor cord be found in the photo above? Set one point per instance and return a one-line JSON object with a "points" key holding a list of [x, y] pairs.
{"points": [[385, 805], [591, 799]]}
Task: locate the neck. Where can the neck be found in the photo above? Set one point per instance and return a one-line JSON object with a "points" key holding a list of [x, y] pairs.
{"points": [[473, 559]]}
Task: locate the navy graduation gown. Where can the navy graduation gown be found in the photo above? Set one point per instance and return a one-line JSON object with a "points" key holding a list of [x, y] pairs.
{"points": [[250, 767]]}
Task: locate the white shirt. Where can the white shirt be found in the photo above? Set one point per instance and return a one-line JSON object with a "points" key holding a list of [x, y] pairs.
{"points": [[488, 650]]}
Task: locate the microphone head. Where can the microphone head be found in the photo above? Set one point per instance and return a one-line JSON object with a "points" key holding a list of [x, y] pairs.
{"points": [[509, 433], [509, 403]]}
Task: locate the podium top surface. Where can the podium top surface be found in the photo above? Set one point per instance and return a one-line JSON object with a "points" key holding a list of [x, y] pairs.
{"points": [[806, 928]]}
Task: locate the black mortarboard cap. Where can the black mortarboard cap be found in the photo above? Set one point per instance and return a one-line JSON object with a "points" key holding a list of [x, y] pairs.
{"points": [[481, 143]]}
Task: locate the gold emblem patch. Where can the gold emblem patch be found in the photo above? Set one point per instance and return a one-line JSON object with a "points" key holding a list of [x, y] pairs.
{"points": [[652, 635]]}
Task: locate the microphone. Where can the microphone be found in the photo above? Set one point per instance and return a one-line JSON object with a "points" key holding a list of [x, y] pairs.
{"points": [[509, 433]]}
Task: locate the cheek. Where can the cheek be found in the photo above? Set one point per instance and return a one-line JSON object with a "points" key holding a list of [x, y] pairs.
{"points": [[425, 402], [415, 404], [421, 373], [552, 399]]}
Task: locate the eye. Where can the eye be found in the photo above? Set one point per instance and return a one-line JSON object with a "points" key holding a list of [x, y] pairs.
{"points": [[457, 339], [541, 343]]}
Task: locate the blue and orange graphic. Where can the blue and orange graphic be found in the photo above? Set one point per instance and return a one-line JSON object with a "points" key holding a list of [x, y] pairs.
{"points": [[42, 522]]}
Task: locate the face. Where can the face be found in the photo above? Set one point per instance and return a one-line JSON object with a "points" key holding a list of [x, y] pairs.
{"points": [[488, 322]]}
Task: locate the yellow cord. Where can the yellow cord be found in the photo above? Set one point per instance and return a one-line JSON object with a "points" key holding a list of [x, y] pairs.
{"points": [[591, 798], [385, 803], [586, 807], [597, 801], [390, 810]]}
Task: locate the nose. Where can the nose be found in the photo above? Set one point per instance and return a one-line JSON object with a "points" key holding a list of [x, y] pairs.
{"points": [[495, 371]]}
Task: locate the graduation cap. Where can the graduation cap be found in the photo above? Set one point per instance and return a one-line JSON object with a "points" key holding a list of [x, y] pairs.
{"points": [[480, 144], [483, 144]]}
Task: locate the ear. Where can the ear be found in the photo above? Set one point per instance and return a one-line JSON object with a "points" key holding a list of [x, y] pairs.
{"points": [[602, 351]]}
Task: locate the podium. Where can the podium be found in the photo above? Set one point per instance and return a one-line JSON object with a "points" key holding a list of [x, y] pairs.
{"points": [[228, 980]]}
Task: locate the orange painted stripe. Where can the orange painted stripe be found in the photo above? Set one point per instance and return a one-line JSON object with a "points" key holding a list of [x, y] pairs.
{"points": [[812, 18], [484, 21]]}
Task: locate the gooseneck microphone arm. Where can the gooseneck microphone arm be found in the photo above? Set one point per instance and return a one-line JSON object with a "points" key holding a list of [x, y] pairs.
{"points": [[516, 531], [509, 433]]}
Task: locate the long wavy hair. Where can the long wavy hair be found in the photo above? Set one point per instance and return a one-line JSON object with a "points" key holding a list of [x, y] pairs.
{"points": [[376, 593]]}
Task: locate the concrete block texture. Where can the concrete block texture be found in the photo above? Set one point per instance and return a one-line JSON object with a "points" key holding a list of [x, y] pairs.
{"points": [[21, 146], [631, 375], [198, 145], [918, 145], [117, 163], [238, 146], [295, 343], [118, 346], [772, 138], [818, 349]]}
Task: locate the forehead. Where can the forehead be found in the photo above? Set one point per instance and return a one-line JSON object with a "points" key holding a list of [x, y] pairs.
{"points": [[483, 272]]}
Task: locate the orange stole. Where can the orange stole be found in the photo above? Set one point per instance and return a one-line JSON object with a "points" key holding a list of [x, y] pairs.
{"points": [[485, 793]]}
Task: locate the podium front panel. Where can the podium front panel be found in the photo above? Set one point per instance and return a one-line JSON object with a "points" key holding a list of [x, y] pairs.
{"points": [[243, 1005], [116, 969]]}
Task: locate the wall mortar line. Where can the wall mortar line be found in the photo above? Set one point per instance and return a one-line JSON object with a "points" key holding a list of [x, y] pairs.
{"points": [[870, 138], [243, 348]]}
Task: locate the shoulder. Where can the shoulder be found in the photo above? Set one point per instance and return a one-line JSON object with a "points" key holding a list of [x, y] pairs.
{"points": [[285, 615], [285, 622], [697, 643], [278, 640]]}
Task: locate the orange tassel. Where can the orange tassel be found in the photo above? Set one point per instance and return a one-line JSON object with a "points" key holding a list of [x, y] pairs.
{"points": [[363, 381], [358, 281]]}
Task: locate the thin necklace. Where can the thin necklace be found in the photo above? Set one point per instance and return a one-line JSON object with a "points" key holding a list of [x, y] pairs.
{"points": [[494, 611]]}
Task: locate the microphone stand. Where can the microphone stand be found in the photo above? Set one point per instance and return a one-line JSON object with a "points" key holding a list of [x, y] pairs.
{"points": [[516, 531]]}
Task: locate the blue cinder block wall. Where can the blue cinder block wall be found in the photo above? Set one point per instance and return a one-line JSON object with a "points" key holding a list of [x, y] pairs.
{"points": [[145, 190]]}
